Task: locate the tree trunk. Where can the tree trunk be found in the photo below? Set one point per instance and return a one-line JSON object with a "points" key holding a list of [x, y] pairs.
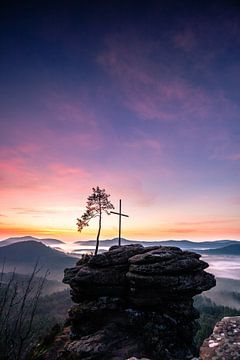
{"points": [[98, 235]]}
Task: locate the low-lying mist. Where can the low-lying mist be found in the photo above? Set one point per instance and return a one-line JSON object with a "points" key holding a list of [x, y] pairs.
{"points": [[227, 272], [223, 266]]}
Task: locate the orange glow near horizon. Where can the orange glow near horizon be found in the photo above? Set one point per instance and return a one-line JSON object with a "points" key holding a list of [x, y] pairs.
{"points": [[41, 212], [51, 208], [192, 232]]}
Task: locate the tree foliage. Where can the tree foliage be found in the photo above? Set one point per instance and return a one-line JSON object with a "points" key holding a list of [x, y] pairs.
{"points": [[97, 204]]}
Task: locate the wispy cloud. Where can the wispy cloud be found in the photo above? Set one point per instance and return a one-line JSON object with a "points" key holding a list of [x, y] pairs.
{"points": [[154, 89], [210, 222], [23, 173], [31, 211], [235, 200], [234, 157]]}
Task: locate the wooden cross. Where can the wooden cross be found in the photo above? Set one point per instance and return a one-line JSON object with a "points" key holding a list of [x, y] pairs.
{"points": [[120, 218]]}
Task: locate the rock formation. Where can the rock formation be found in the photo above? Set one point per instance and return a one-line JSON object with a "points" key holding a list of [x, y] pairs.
{"points": [[134, 302], [224, 342]]}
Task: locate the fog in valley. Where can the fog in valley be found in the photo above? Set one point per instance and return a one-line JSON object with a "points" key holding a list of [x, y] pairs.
{"points": [[227, 272], [223, 266]]}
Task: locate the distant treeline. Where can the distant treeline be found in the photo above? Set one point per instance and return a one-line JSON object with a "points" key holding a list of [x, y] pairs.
{"points": [[210, 314]]}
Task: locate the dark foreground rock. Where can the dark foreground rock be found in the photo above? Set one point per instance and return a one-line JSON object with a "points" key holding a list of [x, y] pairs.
{"points": [[224, 342], [134, 302]]}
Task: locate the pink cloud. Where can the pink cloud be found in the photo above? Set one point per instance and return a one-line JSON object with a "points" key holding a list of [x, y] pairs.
{"points": [[19, 172], [73, 110], [126, 183], [226, 146], [16, 173], [210, 222], [65, 123], [32, 211], [63, 170], [157, 90], [56, 182], [234, 157], [35, 162], [181, 231], [145, 142], [235, 201]]}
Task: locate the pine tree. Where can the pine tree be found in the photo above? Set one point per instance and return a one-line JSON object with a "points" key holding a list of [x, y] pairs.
{"points": [[97, 204]]}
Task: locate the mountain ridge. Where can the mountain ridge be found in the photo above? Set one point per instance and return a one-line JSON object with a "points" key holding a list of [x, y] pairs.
{"points": [[232, 249], [17, 239], [184, 244], [22, 256]]}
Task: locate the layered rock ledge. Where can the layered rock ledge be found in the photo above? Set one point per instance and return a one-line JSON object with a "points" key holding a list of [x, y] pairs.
{"points": [[224, 342], [135, 301]]}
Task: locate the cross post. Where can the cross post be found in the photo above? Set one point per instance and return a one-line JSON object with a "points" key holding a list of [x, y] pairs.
{"points": [[120, 220]]}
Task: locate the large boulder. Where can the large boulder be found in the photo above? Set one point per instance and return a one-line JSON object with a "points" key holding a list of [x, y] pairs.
{"points": [[224, 342], [134, 301], [117, 255], [166, 274], [165, 262]]}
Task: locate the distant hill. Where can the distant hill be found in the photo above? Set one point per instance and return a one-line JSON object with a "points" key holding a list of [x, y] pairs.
{"points": [[107, 243], [183, 244], [46, 241], [24, 255], [233, 249]]}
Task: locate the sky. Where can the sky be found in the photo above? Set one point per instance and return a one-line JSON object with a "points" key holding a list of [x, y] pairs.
{"points": [[141, 98]]}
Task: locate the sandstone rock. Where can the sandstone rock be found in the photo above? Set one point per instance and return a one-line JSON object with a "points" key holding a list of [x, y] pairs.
{"points": [[92, 345], [116, 255], [89, 282], [156, 255], [100, 276], [175, 265], [165, 275], [224, 342], [135, 302], [107, 343], [93, 313], [91, 307], [69, 274], [134, 358], [81, 293], [193, 283]]}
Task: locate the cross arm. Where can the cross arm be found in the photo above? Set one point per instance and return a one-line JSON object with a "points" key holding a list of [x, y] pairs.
{"points": [[113, 212]]}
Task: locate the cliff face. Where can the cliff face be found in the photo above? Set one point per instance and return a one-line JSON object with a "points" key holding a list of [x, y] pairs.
{"points": [[134, 301], [224, 342]]}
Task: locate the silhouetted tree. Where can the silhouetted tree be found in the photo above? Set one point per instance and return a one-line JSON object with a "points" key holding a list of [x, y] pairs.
{"points": [[97, 204], [18, 305]]}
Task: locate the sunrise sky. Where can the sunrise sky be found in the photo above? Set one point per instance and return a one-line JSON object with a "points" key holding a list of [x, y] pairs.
{"points": [[139, 97]]}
